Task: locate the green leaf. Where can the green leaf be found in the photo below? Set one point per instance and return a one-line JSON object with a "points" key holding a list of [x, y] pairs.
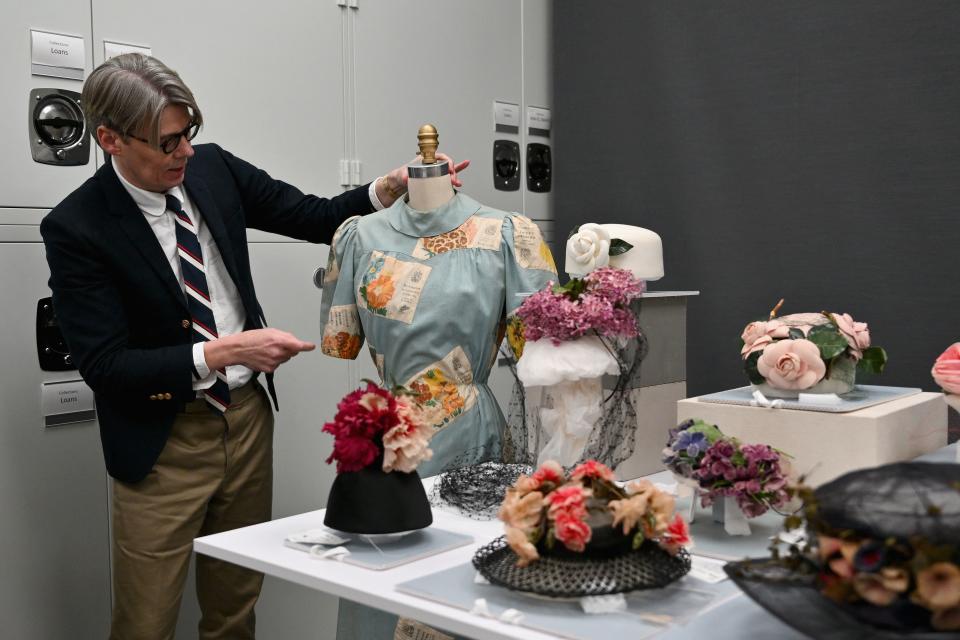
{"points": [[572, 289], [873, 361], [796, 334], [712, 432], [829, 340], [618, 246], [551, 538], [750, 366], [637, 539]]}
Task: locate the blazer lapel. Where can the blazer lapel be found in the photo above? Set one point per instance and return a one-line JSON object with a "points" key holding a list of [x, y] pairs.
{"points": [[205, 202], [132, 222]]}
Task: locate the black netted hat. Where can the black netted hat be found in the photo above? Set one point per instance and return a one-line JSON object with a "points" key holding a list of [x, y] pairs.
{"points": [[575, 575], [903, 501]]}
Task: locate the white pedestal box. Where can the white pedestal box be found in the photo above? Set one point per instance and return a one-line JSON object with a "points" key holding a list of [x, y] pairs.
{"points": [[826, 445]]}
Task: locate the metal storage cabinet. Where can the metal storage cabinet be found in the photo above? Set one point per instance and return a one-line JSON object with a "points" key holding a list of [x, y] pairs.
{"points": [[53, 490]]}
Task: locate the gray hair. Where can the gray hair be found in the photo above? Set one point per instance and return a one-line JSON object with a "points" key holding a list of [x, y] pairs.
{"points": [[130, 91]]}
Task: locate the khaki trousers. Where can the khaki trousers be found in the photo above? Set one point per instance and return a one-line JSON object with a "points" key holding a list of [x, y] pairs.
{"points": [[214, 474]]}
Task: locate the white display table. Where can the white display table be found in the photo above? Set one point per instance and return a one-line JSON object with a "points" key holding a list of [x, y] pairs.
{"points": [[260, 547]]}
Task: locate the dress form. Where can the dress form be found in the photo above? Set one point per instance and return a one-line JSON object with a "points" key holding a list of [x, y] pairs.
{"points": [[428, 186]]}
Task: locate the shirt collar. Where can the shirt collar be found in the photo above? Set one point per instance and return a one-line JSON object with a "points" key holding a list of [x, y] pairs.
{"points": [[424, 224], [150, 202]]}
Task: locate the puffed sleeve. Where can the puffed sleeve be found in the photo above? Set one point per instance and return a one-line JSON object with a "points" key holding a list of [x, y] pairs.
{"points": [[529, 263], [342, 331]]}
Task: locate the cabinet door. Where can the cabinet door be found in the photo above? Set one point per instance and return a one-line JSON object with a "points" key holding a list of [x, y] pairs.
{"points": [[442, 63], [23, 182], [267, 75], [53, 487]]}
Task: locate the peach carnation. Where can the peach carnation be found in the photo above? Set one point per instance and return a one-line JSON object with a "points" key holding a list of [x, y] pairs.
{"points": [[521, 546], [521, 511], [405, 445], [938, 586]]}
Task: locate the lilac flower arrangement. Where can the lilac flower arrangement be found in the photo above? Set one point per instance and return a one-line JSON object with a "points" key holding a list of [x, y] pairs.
{"points": [[599, 303], [755, 475]]}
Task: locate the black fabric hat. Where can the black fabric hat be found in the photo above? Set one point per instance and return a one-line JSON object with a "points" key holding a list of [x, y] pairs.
{"points": [[372, 501], [575, 575], [898, 501]]}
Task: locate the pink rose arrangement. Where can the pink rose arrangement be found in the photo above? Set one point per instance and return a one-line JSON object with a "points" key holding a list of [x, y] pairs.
{"points": [[796, 352], [550, 508], [597, 303], [946, 370], [372, 422]]}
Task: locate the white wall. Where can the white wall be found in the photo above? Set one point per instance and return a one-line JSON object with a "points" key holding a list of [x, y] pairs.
{"points": [[295, 87]]}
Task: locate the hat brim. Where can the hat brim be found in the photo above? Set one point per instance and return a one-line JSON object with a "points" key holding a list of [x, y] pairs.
{"points": [[578, 575], [797, 602]]}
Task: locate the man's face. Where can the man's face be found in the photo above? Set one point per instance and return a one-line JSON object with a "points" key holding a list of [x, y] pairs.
{"points": [[148, 167]]}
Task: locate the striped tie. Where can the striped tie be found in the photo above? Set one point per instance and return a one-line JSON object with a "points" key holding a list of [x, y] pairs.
{"points": [[198, 297]]}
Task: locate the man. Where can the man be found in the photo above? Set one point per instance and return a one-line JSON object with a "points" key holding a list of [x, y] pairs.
{"points": [[152, 287]]}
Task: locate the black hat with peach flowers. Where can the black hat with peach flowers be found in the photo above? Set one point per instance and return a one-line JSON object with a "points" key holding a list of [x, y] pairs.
{"points": [[880, 557]]}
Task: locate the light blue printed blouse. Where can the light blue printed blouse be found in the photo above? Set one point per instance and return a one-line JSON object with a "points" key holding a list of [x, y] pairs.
{"points": [[430, 293]]}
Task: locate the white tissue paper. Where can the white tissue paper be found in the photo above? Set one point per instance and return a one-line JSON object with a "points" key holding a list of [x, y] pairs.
{"points": [[571, 372]]}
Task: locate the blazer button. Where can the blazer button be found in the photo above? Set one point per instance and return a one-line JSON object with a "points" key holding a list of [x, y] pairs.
{"points": [[153, 396], [185, 324], [167, 396]]}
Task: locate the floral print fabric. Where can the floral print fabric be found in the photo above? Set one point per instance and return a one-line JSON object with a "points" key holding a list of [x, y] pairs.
{"points": [[429, 292]]}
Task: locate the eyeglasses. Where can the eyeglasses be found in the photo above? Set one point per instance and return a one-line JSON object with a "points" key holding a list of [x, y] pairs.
{"points": [[168, 144]]}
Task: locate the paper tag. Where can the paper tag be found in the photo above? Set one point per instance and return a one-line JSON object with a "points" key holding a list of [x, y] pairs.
{"points": [[408, 629], [114, 49], [538, 121], [707, 569], [603, 604], [506, 117], [671, 488], [317, 536], [820, 398]]}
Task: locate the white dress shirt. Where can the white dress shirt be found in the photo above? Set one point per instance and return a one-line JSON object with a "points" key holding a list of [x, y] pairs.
{"points": [[228, 308]]}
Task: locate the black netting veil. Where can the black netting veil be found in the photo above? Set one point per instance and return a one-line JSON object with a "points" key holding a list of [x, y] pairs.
{"points": [[476, 490]]}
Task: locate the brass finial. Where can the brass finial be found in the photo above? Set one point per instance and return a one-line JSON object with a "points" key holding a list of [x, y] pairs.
{"points": [[428, 140]]}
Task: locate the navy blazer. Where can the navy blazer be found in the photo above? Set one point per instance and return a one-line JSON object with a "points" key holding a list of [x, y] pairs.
{"points": [[120, 305]]}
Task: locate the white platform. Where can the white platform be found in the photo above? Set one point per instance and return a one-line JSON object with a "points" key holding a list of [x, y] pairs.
{"points": [[827, 445]]}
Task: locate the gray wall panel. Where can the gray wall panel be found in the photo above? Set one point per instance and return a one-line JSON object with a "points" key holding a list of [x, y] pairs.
{"points": [[806, 150]]}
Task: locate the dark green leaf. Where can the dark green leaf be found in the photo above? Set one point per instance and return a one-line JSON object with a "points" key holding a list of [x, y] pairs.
{"points": [[750, 366], [796, 334], [618, 246], [829, 340], [873, 361]]}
